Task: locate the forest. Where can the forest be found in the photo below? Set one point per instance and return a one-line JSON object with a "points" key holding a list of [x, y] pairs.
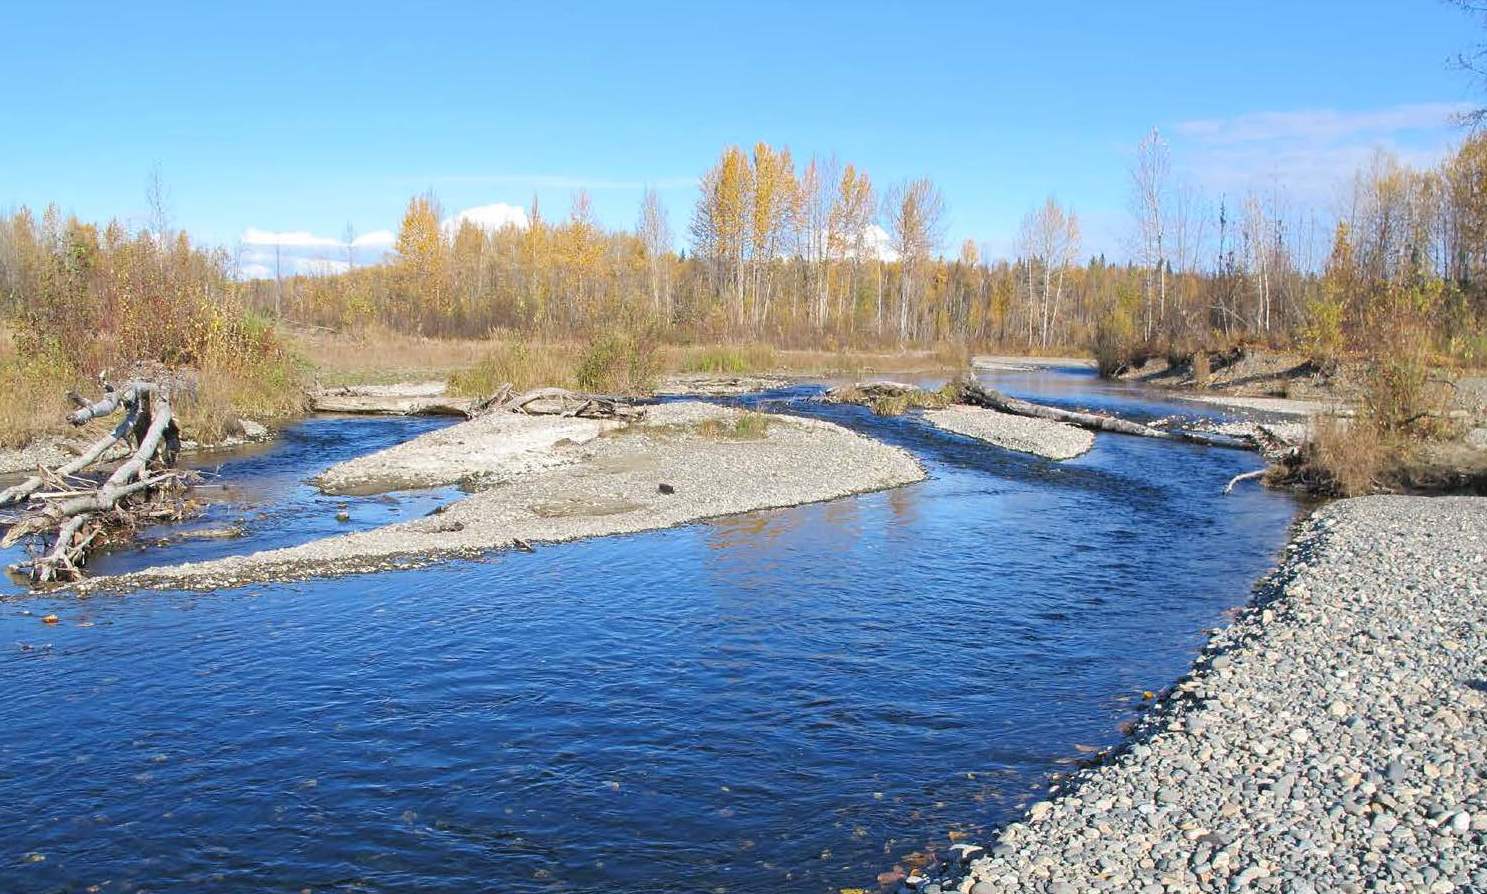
{"points": [[818, 255], [787, 253]]}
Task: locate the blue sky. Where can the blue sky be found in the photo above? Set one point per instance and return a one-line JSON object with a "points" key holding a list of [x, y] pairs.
{"points": [[297, 118]]}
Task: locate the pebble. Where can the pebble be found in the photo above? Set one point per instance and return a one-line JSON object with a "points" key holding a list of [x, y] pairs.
{"points": [[1329, 739]]}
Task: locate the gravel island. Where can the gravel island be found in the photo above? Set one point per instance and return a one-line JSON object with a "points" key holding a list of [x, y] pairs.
{"points": [[1040, 437], [683, 462]]}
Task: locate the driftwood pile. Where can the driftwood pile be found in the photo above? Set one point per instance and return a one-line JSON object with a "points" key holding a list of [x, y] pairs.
{"points": [[558, 402], [429, 399], [65, 513]]}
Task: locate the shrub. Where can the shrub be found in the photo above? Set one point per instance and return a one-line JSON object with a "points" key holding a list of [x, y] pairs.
{"points": [[84, 301], [619, 363], [1202, 368], [1321, 332], [1117, 343]]}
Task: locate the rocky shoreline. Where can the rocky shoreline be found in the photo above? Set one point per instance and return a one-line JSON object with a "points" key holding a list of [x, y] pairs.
{"points": [[1333, 738]]}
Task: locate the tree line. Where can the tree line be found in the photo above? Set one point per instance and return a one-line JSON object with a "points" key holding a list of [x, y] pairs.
{"points": [[818, 254], [815, 255]]}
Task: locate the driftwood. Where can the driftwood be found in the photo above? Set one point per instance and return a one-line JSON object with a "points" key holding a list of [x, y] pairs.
{"points": [[1244, 476], [84, 514], [975, 393], [560, 402], [430, 400], [413, 400]]}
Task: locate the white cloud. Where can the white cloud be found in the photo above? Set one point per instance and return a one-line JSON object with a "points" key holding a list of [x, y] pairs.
{"points": [[375, 239], [254, 271], [489, 217], [291, 239], [877, 244]]}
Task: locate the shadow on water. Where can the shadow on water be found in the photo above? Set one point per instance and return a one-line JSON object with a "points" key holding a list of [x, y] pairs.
{"points": [[783, 700]]}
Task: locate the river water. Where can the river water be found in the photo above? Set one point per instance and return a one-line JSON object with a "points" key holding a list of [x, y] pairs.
{"points": [[791, 700]]}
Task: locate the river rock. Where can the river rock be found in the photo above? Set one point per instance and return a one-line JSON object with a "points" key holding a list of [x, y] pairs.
{"points": [[1343, 745]]}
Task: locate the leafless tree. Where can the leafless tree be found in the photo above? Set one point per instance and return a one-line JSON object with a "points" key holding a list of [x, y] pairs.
{"points": [[915, 212], [1050, 242], [654, 232], [348, 237], [1150, 187]]}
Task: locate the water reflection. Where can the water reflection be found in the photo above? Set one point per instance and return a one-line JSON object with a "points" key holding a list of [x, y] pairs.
{"points": [[788, 700]]}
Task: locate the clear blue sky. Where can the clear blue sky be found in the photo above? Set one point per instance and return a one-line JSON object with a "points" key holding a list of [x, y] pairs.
{"points": [[299, 117]]}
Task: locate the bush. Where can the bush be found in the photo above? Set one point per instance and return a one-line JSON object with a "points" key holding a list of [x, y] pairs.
{"points": [[1321, 333], [621, 363], [1117, 343], [84, 302], [1202, 368]]}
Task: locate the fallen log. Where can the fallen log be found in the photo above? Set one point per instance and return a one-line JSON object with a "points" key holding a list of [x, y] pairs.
{"points": [[82, 516], [383, 400], [978, 395]]}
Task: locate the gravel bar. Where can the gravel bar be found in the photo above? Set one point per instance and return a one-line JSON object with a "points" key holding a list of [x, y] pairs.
{"points": [[1332, 739], [1042, 437], [685, 462]]}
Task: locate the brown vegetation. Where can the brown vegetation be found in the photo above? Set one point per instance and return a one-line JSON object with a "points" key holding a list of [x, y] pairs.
{"points": [[80, 301]]}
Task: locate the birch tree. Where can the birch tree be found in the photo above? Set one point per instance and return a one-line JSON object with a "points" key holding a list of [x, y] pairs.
{"points": [[654, 232], [1150, 176], [1050, 243], [915, 212]]}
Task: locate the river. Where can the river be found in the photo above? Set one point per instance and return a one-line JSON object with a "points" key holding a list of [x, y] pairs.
{"points": [[791, 700]]}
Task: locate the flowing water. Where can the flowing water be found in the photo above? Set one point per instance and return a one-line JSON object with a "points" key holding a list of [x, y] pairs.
{"points": [[789, 700]]}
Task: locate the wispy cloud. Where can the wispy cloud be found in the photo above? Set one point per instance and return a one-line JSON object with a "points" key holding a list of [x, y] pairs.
{"points": [[290, 239], [1310, 152], [383, 239], [1322, 125]]}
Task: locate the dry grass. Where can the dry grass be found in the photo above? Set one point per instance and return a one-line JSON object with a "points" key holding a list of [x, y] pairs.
{"points": [[895, 402], [750, 426], [620, 363], [380, 356], [1347, 457], [521, 365], [36, 395]]}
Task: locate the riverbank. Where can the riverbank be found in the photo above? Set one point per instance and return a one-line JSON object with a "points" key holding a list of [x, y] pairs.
{"points": [[686, 461], [1330, 739]]}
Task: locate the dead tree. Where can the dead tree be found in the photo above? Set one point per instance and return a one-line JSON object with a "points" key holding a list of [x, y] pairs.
{"points": [[84, 512]]}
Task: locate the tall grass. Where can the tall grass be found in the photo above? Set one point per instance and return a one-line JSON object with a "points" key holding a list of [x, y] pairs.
{"points": [[616, 363], [1345, 458], [728, 359]]}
